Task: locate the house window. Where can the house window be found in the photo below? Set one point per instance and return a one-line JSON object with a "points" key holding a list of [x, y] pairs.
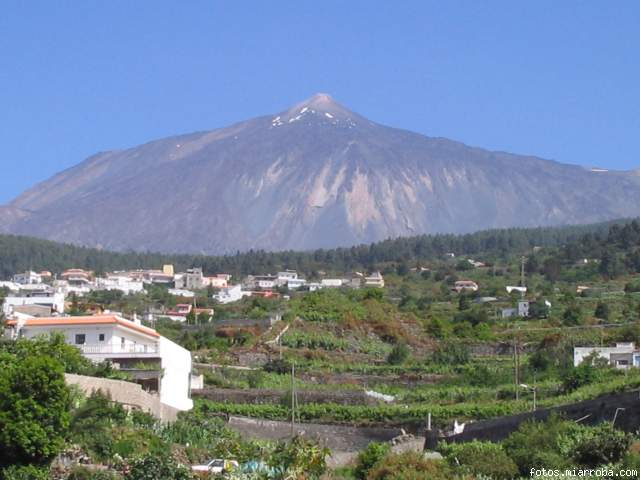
{"points": [[101, 337], [80, 338]]}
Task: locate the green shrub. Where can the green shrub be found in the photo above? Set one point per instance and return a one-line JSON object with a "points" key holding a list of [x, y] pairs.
{"points": [[255, 378], [399, 354], [572, 315], [34, 408], [25, 472], [92, 422], [279, 366], [579, 376], [600, 445], [410, 466], [537, 444], [369, 458], [154, 467], [299, 459], [602, 311], [80, 472], [314, 341], [480, 458], [451, 353]]}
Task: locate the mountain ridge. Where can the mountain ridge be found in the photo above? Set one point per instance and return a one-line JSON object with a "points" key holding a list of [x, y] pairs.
{"points": [[313, 175]]}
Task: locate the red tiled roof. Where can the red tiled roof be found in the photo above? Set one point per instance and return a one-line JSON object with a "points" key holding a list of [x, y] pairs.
{"points": [[86, 320]]}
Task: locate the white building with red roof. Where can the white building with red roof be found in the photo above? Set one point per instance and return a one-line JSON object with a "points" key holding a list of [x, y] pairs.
{"points": [[158, 364]]}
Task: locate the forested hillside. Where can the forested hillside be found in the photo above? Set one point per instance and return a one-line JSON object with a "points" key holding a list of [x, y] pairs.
{"points": [[18, 253]]}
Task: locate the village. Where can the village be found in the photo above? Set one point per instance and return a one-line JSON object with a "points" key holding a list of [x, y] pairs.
{"points": [[408, 355]]}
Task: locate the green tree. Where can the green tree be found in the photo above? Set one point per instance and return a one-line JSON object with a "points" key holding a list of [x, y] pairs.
{"points": [[53, 346], [579, 376], [399, 354], [34, 409], [410, 466], [611, 265], [451, 353], [600, 445], [157, 467], [572, 315], [91, 424], [480, 458], [299, 458], [25, 472], [537, 444], [464, 265], [551, 269], [602, 311], [538, 309], [463, 302], [369, 458]]}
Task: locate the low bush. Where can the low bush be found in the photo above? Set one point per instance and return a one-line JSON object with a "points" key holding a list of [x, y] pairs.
{"points": [[399, 354], [24, 472], [537, 444], [599, 445], [410, 466], [451, 353], [479, 458], [153, 467], [369, 458]]}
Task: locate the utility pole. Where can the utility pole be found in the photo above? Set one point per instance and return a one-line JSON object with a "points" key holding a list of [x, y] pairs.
{"points": [[293, 399], [516, 367], [522, 283]]}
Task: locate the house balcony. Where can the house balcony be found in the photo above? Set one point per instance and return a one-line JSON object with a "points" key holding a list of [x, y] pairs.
{"points": [[120, 351]]}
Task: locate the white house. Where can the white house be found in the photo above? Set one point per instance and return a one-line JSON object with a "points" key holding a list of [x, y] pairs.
{"points": [[374, 280], [155, 362], [296, 283], [331, 282], [122, 283], [192, 279], [513, 288], [283, 278], [230, 294], [180, 292], [622, 355], [27, 278], [465, 285], [218, 281], [46, 299], [266, 282], [12, 286]]}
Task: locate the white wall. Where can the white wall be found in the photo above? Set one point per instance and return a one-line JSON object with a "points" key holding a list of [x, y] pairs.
{"points": [[580, 353], [112, 343], [176, 369], [56, 301]]}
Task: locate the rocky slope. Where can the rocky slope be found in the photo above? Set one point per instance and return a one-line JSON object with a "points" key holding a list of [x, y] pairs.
{"points": [[315, 175]]}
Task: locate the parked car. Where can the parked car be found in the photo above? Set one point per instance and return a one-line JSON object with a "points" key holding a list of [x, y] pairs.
{"points": [[217, 465]]}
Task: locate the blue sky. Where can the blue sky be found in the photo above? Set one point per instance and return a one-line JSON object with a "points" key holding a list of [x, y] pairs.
{"points": [[555, 79]]}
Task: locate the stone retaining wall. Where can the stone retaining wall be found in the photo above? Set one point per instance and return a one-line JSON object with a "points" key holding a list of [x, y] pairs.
{"points": [[129, 394], [338, 438], [264, 396], [588, 412]]}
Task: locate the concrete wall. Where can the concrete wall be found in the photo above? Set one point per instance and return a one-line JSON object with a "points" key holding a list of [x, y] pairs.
{"points": [[129, 394], [176, 376], [263, 396], [589, 412], [336, 437]]}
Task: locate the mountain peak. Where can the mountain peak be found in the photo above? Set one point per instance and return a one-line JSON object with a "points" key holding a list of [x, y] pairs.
{"points": [[322, 106], [321, 100]]}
